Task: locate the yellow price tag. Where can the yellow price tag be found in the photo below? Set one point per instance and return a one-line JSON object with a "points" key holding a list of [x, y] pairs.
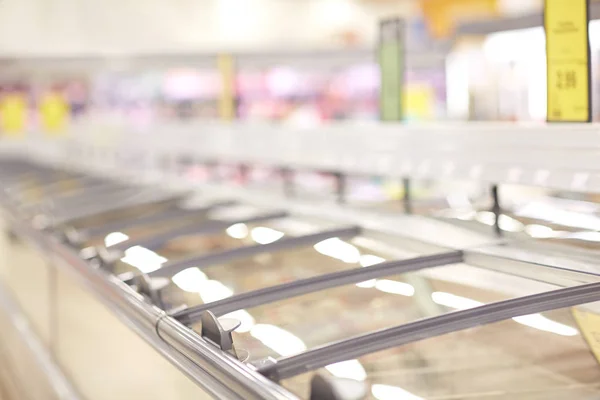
{"points": [[391, 65], [13, 115], [589, 325], [226, 66], [568, 55], [54, 111]]}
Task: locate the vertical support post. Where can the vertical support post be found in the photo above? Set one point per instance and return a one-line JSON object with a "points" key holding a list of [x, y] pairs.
{"points": [[213, 171], [391, 56], [227, 100], [341, 187], [287, 175], [496, 209], [392, 37], [243, 170], [407, 198]]}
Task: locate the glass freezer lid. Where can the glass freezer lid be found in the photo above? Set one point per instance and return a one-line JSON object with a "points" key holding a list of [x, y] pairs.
{"points": [[95, 212], [539, 356], [283, 329], [247, 257], [153, 219], [265, 270], [144, 259], [97, 236]]}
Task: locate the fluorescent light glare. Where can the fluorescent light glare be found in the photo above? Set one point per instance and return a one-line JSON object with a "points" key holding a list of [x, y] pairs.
{"points": [[237, 231], [587, 236], [395, 287], [264, 235], [509, 224], [115, 238], [189, 280], [386, 392], [212, 290], [538, 321], [486, 217], [367, 284], [143, 259], [539, 231], [351, 369], [454, 301], [279, 340], [247, 320], [337, 248], [366, 260]]}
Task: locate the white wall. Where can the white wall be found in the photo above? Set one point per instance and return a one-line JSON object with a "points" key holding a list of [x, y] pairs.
{"points": [[92, 27]]}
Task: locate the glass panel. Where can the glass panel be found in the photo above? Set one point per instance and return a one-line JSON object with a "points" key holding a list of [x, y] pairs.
{"points": [[136, 232], [535, 357], [264, 270], [194, 286], [281, 328], [234, 236]]}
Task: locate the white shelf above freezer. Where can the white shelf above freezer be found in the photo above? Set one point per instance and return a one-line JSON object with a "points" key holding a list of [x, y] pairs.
{"points": [[563, 156]]}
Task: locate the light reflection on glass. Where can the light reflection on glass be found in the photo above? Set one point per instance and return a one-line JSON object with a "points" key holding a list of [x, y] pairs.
{"points": [[339, 249], [386, 392], [454, 301], [247, 320], [115, 238], [367, 260], [395, 287], [539, 231], [212, 290], [351, 369], [551, 213], [510, 224], [279, 340], [486, 217], [237, 231], [189, 280], [264, 235], [587, 236], [143, 259], [536, 321]]}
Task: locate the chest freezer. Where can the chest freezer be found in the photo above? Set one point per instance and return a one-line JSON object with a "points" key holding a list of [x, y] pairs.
{"points": [[326, 310]]}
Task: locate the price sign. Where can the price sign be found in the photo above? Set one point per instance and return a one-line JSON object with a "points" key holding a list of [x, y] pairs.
{"points": [[226, 66], [589, 325], [391, 64], [13, 115], [54, 113], [568, 60]]}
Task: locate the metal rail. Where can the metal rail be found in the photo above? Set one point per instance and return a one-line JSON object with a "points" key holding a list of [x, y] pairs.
{"points": [[214, 372], [315, 284], [205, 228], [163, 216]]}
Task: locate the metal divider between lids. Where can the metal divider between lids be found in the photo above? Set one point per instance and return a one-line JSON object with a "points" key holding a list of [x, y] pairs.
{"points": [[164, 216], [315, 284], [430, 327], [205, 228], [206, 260]]}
